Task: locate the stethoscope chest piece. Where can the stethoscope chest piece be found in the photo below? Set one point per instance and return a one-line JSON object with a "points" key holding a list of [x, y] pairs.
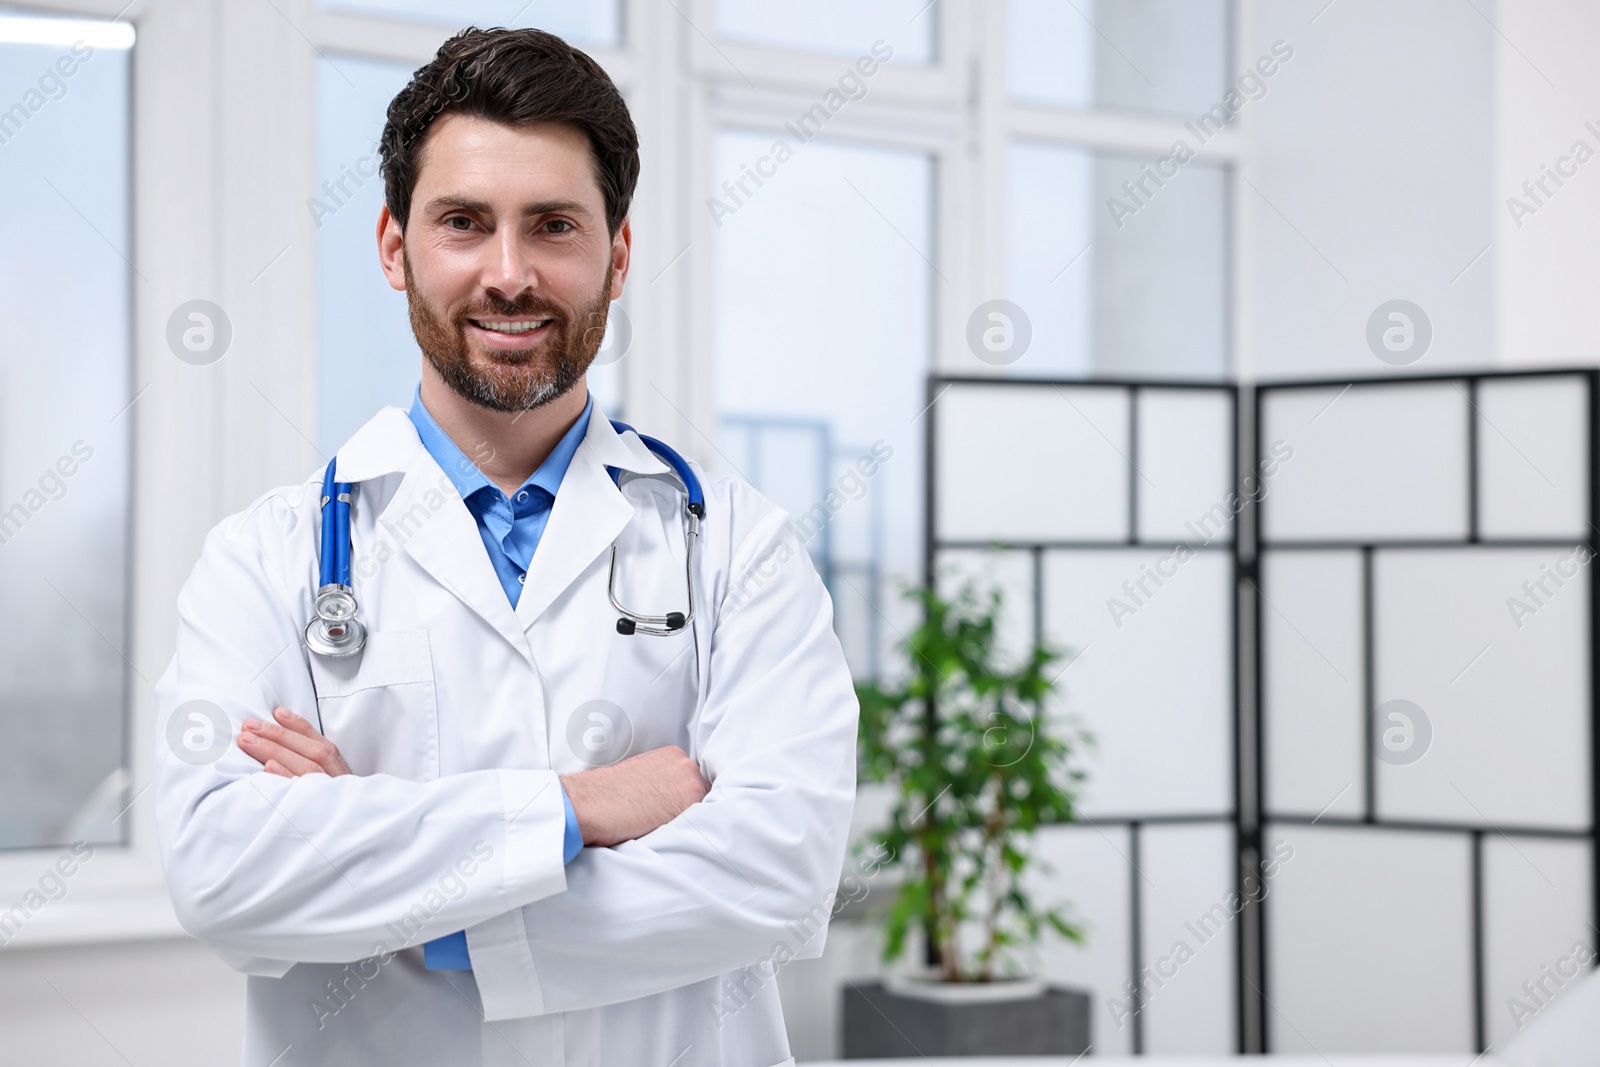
{"points": [[335, 630]]}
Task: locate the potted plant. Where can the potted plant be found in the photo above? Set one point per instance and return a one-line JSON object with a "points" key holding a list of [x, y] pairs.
{"points": [[976, 770]]}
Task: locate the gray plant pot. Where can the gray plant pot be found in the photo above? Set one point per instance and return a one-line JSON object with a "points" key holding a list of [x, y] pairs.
{"points": [[882, 1022]]}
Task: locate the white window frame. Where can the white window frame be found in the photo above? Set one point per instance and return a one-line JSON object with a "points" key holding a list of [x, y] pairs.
{"points": [[221, 174]]}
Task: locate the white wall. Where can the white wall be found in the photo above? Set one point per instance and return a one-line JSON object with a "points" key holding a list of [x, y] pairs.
{"points": [[1373, 167], [167, 1002], [1548, 268]]}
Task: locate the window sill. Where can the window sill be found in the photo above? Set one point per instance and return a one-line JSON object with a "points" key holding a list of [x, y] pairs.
{"points": [[144, 917]]}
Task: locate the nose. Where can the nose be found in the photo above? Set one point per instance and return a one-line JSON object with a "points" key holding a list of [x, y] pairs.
{"points": [[508, 268]]}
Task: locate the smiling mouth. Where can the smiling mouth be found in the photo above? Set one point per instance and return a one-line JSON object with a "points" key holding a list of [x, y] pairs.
{"points": [[512, 326]]}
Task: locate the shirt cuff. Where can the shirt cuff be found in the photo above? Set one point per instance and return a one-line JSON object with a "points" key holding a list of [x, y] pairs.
{"points": [[447, 953], [572, 844]]}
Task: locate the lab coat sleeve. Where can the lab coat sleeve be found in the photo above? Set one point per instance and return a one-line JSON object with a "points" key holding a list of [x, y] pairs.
{"points": [[747, 875], [268, 870]]}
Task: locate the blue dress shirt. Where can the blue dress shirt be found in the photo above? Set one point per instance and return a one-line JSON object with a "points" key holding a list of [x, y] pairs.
{"points": [[511, 528]]}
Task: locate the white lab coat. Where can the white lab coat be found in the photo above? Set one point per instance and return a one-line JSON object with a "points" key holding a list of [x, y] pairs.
{"points": [[456, 719]]}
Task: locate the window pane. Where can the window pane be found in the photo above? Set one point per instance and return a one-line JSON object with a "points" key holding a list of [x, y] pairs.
{"points": [[583, 22], [369, 356], [846, 28], [1119, 263], [822, 303], [1166, 56], [65, 296]]}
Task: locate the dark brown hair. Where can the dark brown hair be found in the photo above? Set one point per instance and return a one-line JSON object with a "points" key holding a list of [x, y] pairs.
{"points": [[516, 77]]}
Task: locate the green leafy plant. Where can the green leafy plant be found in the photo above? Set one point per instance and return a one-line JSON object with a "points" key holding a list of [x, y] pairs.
{"points": [[965, 741]]}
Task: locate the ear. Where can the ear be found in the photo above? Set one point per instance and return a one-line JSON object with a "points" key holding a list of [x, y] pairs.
{"points": [[391, 249], [621, 257]]}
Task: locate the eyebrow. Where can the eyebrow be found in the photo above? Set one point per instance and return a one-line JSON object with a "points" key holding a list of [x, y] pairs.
{"points": [[482, 207]]}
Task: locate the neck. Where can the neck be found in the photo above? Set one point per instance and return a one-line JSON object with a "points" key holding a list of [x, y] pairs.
{"points": [[507, 446]]}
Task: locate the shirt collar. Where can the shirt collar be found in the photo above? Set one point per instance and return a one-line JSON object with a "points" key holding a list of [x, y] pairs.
{"points": [[466, 476], [389, 441]]}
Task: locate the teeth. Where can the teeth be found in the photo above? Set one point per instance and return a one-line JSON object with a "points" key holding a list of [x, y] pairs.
{"points": [[511, 327]]}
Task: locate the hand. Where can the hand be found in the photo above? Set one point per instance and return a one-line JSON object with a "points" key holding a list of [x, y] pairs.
{"points": [[291, 746], [634, 796]]}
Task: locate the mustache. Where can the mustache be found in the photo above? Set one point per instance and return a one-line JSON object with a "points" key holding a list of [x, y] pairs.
{"points": [[525, 306]]}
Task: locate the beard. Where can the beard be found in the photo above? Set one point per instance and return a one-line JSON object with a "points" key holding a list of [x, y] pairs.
{"points": [[511, 381]]}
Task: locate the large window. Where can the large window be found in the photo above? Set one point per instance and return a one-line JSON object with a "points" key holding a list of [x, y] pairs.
{"points": [[822, 306], [66, 278], [838, 201]]}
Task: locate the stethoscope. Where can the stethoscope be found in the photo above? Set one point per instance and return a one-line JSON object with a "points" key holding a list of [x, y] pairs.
{"points": [[336, 631]]}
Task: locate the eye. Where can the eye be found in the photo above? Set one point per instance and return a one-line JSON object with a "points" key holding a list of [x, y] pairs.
{"points": [[465, 223], [558, 222]]}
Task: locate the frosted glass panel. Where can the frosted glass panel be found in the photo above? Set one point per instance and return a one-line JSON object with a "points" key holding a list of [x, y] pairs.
{"points": [[1379, 461], [1167, 56], [1533, 435], [855, 378], [1507, 708], [1190, 909], [1311, 645], [65, 362], [368, 355], [1009, 572], [1369, 942], [1032, 463], [1536, 913], [1184, 457], [1153, 681], [1112, 282], [1090, 872], [844, 28], [583, 22]]}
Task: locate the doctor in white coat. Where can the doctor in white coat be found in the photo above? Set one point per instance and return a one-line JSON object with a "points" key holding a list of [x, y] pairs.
{"points": [[504, 832]]}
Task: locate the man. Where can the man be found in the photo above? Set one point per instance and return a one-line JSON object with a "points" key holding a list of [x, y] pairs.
{"points": [[505, 831]]}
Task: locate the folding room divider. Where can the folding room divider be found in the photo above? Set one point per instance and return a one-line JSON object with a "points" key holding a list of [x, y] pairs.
{"points": [[1338, 659]]}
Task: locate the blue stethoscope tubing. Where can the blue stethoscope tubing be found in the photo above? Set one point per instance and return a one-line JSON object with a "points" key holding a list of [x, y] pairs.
{"points": [[335, 630]]}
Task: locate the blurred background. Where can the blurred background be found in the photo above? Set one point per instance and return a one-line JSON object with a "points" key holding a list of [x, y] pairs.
{"points": [[1081, 268]]}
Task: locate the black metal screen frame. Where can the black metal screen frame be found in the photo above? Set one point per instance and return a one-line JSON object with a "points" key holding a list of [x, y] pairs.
{"points": [[934, 544], [1369, 820], [1250, 818]]}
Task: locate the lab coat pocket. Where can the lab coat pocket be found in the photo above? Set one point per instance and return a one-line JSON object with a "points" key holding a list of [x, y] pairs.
{"points": [[379, 706]]}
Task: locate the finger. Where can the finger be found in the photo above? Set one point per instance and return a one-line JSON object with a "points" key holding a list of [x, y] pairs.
{"points": [[263, 749], [295, 722], [325, 752], [318, 749], [277, 768]]}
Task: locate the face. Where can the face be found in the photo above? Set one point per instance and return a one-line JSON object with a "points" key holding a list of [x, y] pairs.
{"points": [[506, 263]]}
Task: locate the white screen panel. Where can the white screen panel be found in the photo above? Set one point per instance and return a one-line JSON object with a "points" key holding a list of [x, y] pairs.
{"points": [[1533, 435], [1536, 913], [1009, 572], [1380, 461], [1314, 731], [1032, 463], [1507, 707], [1369, 942], [1154, 686], [1190, 919], [1185, 450], [1089, 873]]}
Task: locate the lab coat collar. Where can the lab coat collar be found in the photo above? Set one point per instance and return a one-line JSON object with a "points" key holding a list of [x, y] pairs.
{"points": [[588, 514], [388, 443], [441, 534]]}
